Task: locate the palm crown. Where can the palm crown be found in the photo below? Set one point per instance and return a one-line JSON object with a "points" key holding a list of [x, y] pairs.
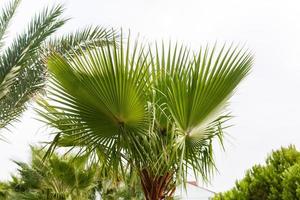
{"points": [[154, 112]]}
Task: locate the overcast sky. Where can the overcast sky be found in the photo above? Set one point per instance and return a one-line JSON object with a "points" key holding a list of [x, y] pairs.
{"points": [[266, 106]]}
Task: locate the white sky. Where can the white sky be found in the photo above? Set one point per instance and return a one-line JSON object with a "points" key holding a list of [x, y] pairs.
{"points": [[266, 105]]}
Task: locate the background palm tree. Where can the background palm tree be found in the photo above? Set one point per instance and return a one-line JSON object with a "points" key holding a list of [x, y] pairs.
{"points": [[149, 112], [22, 70], [59, 177], [63, 178]]}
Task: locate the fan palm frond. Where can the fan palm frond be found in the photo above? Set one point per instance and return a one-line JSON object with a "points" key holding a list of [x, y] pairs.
{"points": [[101, 91]]}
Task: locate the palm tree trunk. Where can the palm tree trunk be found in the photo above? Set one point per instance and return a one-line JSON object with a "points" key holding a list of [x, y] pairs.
{"points": [[157, 187]]}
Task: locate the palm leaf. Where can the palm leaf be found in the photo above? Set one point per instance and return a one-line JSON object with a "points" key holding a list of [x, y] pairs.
{"points": [[81, 39], [6, 15], [101, 94], [20, 67], [22, 70]]}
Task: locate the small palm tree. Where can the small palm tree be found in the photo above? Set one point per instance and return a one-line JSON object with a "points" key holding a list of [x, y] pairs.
{"points": [[154, 113], [22, 70], [63, 178], [59, 177]]}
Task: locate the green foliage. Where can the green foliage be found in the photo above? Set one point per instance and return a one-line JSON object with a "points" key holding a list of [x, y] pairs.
{"points": [[291, 183], [278, 179], [110, 189], [22, 69], [151, 111], [6, 15], [64, 178], [20, 66], [4, 190], [57, 178]]}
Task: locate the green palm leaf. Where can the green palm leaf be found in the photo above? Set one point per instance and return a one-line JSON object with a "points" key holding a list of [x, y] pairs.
{"points": [[195, 94], [101, 93], [6, 15], [22, 70], [88, 37], [20, 65]]}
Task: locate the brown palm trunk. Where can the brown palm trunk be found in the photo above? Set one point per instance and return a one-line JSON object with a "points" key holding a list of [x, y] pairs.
{"points": [[157, 187]]}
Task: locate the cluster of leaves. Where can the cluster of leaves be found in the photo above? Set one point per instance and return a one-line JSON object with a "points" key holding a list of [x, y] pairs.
{"points": [[63, 178], [278, 179], [152, 111]]}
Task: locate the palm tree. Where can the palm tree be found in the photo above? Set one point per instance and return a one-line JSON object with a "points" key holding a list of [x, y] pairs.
{"points": [[64, 177], [153, 112], [22, 70], [59, 177]]}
